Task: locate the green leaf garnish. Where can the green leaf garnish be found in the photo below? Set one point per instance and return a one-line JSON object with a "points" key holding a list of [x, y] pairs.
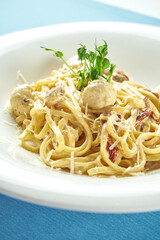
{"points": [[60, 55], [111, 70], [94, 64], [82, 52]]}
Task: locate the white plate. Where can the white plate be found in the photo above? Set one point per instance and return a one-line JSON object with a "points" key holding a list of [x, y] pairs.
{"points": [[135, 49]]}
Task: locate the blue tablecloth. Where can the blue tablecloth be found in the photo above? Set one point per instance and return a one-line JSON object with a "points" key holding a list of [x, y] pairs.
{"points": [[26, 221]]}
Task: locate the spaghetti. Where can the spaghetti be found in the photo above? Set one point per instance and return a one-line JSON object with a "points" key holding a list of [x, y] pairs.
{"points": [[119, 139]]}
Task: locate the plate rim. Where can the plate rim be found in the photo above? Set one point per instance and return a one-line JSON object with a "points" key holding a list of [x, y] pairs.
{"points": [[117, 205]]}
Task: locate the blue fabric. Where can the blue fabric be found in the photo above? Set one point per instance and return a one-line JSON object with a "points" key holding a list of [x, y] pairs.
{"points": [[21, 220], [24, 221], [19, 15]]}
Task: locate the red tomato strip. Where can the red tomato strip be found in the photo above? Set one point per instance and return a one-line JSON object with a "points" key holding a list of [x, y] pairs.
{"points": [[112, 152]]}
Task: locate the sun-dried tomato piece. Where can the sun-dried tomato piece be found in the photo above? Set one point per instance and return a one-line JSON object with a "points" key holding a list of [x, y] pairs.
{"points": [[112, 152], [157, 120], [105, 113], [146, 101], [146, 112], [119, 115], [156, 94]]}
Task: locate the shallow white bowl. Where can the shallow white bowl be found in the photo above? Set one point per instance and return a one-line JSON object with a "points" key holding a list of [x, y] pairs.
{"points": [[136, 50]]}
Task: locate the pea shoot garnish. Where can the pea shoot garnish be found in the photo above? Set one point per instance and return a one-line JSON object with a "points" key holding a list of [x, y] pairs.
{"points": [[94, 64]]}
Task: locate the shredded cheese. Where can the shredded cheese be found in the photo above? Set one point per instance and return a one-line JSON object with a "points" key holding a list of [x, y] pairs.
{"points": [[126, 171], [10, 124], [86, 109], [49, 156], [114, 144], [21, 77]]}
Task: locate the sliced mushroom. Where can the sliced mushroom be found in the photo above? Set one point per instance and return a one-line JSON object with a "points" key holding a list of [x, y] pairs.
{"points": [[21, 100], [99, 94], [119, 76], [55, 96]]}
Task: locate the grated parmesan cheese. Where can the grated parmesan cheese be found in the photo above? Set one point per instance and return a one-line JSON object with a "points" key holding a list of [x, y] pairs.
{"points": [[132, 125], [79, 172], [114, 144], [86, 109], [24, 132], [120, 124], [38, 104], [5, 140], [128, 91], [10, 124], [49, 156], [137, 174], [126, 171], [136, 92], [21, 77], [88, 118]]}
